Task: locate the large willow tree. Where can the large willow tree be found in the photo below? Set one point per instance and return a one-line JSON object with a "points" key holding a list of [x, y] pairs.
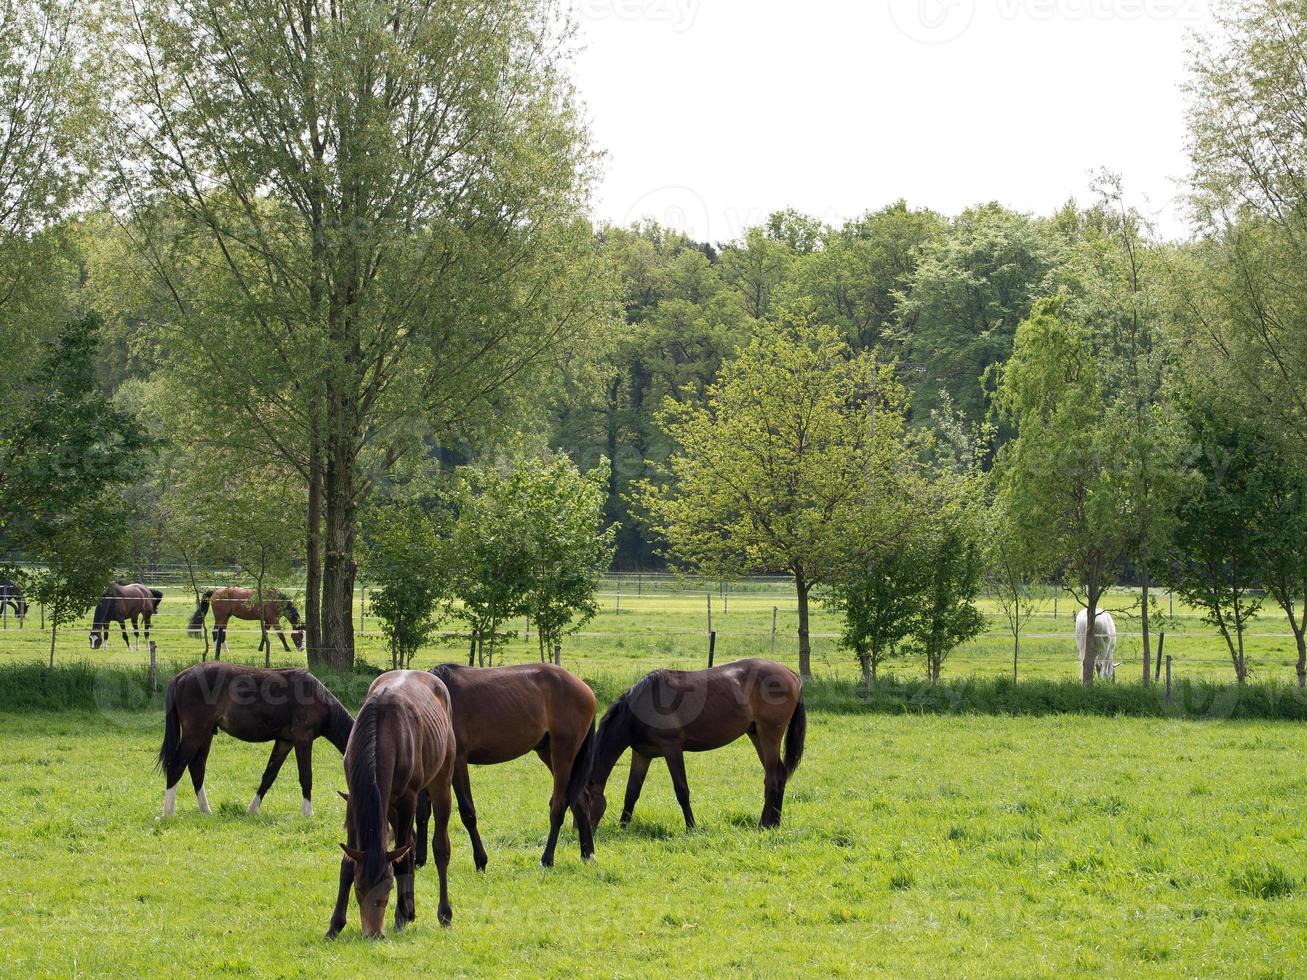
{"points": [[368, 218]]}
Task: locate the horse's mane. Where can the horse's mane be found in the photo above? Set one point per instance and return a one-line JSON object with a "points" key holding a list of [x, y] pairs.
{"points": [[101, 615], [615, 728], [446, 672], [365, 795], [340, 723]]}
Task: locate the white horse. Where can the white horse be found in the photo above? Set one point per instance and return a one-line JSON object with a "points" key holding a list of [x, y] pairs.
{"points": [[1105, 642]]}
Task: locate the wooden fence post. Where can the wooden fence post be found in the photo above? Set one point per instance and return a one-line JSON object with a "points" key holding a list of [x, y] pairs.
{"points": [[558, 654], [363, 609], [774, 611], [712, 648], [709, 612], [1168, 680], [154, 669], [619, 596]]}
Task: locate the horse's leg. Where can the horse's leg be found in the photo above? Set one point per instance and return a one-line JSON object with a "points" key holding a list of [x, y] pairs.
{"points": [[147, 629], [122, 625], [634, 783], [467, 812], [676, 766], [304, 760], [280, 749], [558, 799], [767, 741], [219, 633], [136, 631], [338, 917], [405, 906], [441, 805], [198, 762], [186, 750], [284, 645], [423, 822]]}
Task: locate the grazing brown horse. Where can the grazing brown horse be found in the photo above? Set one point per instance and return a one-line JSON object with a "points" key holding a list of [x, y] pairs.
{"points": [[402, 744], [11, 596], [290, 708], [244, 604], [501, 714], [673, 712], [120, 603]]}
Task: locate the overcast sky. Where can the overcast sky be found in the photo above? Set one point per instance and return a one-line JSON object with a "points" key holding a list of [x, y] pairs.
{"points": [[714, 113]]}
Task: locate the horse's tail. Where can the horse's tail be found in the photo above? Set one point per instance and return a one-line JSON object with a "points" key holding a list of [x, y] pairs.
{"points": [[197, 621], [795, 736], [157, 596], [581, 766], [170, 750]]}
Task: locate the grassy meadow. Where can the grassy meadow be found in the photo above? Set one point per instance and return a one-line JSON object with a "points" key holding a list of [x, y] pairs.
{"points": [[919, 843], [911, 846]]}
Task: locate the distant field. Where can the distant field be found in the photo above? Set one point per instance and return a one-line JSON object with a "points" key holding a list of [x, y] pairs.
{"points": [[911, 847], [669, 629]]}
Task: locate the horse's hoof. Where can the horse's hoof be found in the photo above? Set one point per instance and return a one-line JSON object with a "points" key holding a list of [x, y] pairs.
{"points": [[333, 932], [420, 862], [446, 916], [546, 862], [481, 864]]}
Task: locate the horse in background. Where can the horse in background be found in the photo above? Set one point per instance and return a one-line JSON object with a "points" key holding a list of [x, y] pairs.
{"points": [[1104, 643], [402, 744], [243, 604], [11, 597], [290, 708], [672, 712], [120, 603]]}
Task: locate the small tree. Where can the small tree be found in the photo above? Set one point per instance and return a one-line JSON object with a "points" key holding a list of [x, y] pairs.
{"points": [[569, 546], [1009, 578], [403, 561], [952, 568], [488, 555], [1217, 553], [879, 597], [781, 461], [1282, 546]]}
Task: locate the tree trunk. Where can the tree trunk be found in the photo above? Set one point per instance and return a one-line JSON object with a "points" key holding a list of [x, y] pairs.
{"points": [[54, 628], [868, 679], [1016, 654], [313, 552], [1301, 637], [1148, 644], [1087, 669], [338, 568], [805, 644]]}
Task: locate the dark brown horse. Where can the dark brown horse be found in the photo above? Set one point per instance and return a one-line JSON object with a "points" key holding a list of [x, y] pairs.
{"points": [[11, 597], [290, 708], [673, 712], [120, 603], [244, 604], [402, 744], [501, 714]]}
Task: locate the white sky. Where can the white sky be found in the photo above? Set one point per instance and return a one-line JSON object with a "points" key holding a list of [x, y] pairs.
{"points": [[714, 113]]}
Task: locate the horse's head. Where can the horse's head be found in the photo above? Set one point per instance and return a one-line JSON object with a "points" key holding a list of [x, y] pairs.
{"points": [[297, 637], [595, 803], [99, 635], [373, 882]]}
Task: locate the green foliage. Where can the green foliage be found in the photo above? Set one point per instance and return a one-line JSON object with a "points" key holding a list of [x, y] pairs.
{"points": [[65, 456], [797, 444], [526, 540], [403, 561]]}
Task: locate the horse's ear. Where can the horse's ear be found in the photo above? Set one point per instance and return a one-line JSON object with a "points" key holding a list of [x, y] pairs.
{"points": [[343, 796], [355, 856], [397, 855]]}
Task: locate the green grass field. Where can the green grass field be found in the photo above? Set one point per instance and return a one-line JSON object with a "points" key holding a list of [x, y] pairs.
{"points": [[670, 630], [912, 846]]}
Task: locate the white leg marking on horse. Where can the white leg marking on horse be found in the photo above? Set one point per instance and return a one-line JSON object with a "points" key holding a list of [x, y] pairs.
{"points": [[255, 804], [170, 803], [307, 809], [203, 801]]}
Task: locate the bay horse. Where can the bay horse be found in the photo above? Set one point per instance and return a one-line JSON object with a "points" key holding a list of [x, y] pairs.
{"points": [[244, 604], [11, 596], [402, 744], [120, 603], [290, 708], [672, 712], [503, 713]]}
